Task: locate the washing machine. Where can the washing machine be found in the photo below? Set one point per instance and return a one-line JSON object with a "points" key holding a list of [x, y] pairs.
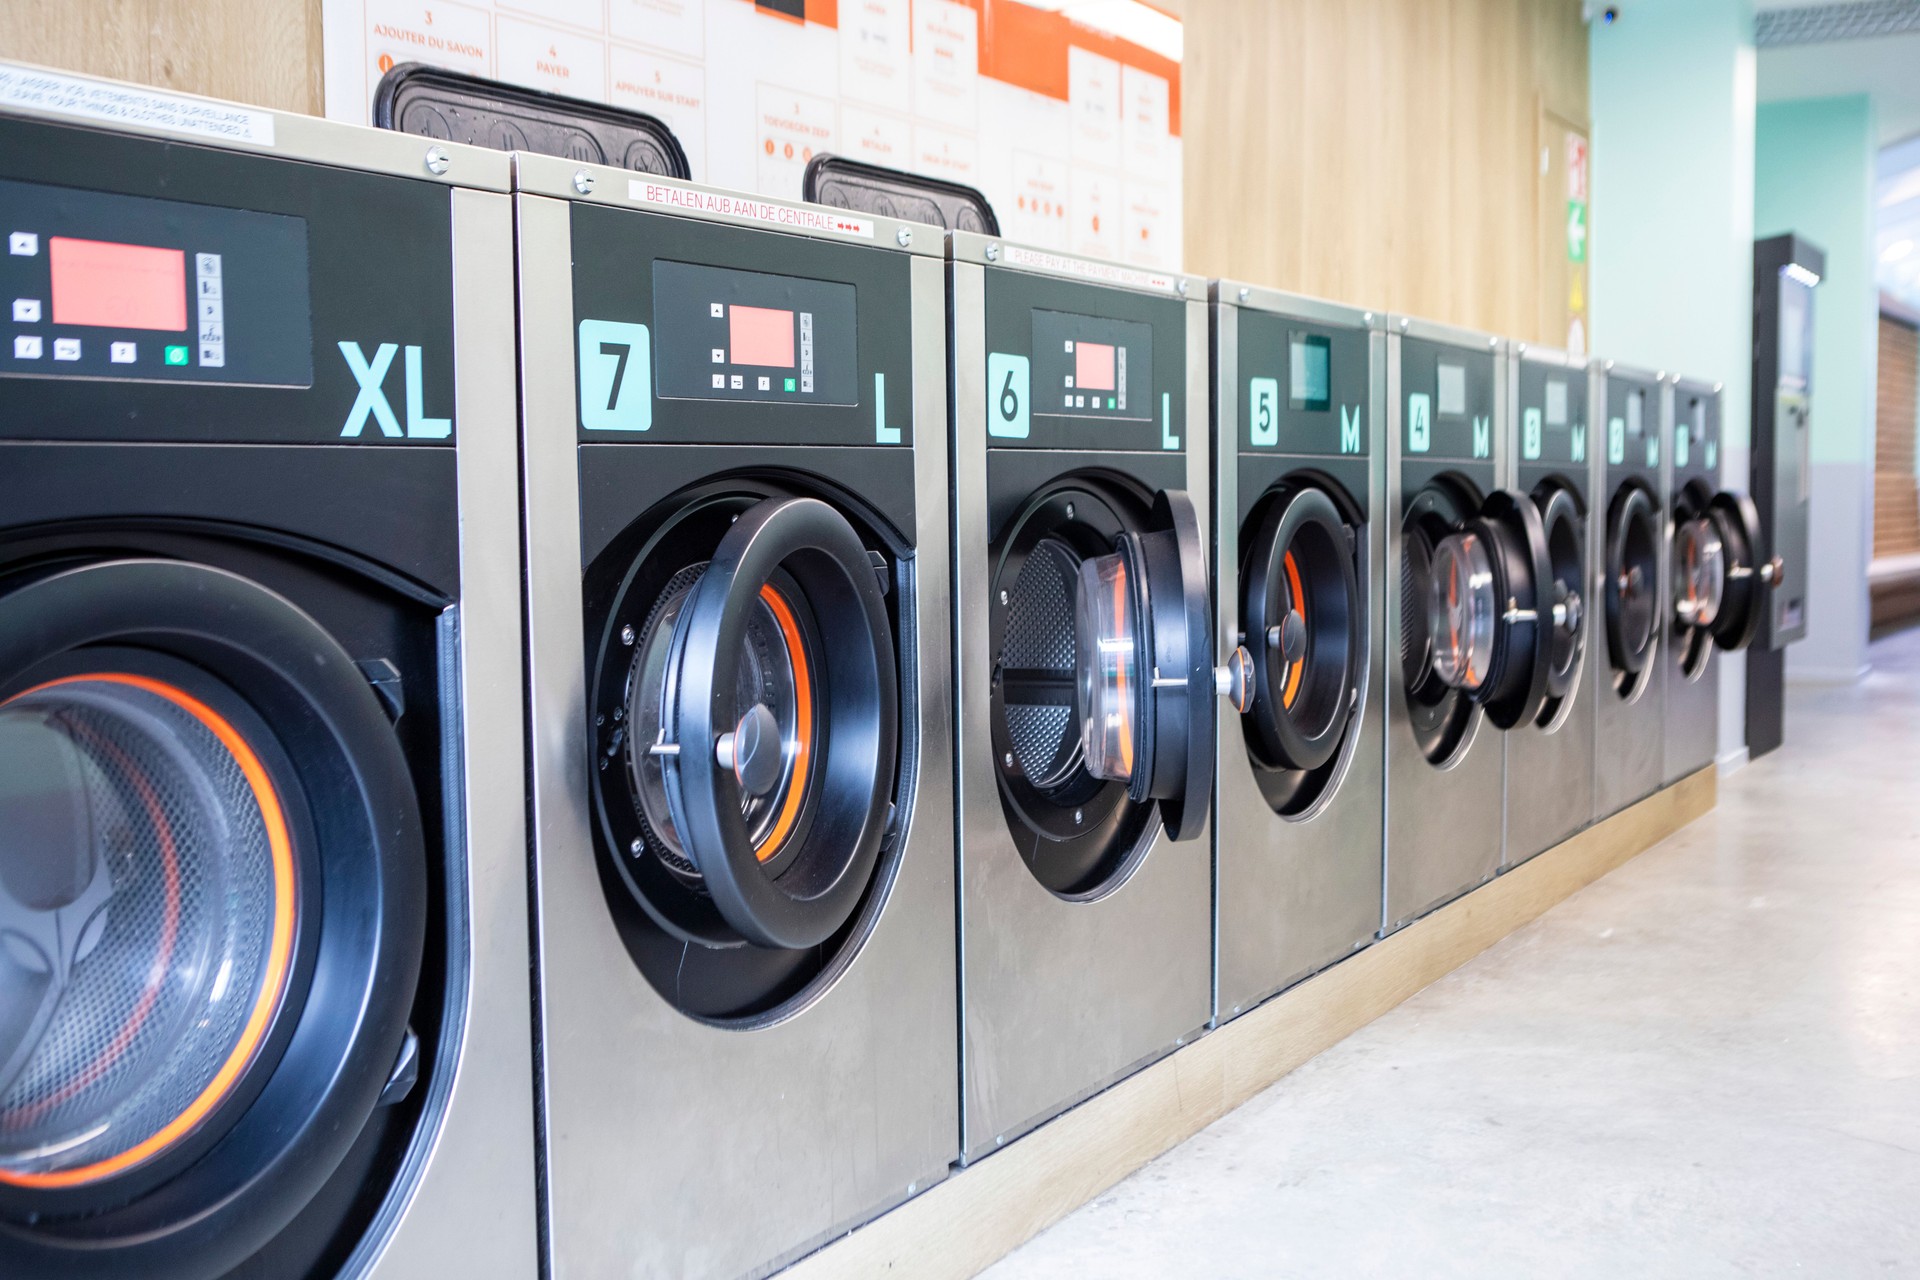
{"points": [[263, 939], [1720, 574], [1468, 576], [735, 461], [1085, 685], [1550, 759], [1300, 473], [1630, 568]]}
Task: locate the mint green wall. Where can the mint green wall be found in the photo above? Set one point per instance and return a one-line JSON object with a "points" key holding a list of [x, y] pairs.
{"points": [[1671, 261], [1814, 174]]}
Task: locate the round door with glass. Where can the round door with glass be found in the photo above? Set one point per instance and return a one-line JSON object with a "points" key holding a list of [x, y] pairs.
{"points": [[1564, 604], [1630, 585], [1476, 618], [212, 902], [1103, 680], [747, 716], [1719, 582], [1302, 612]]}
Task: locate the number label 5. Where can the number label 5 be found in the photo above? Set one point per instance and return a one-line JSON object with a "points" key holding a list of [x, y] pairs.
{"points": [[1263, 411]]}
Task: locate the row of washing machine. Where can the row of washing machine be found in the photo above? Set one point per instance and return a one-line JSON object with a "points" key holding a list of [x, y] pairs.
{"points": [[564, 722]]}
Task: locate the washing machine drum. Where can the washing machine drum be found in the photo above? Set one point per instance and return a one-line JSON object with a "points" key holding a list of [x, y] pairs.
{"points": [[764, 721], [1489, 631], [193, 776], [1302, 612], [1564, 523], [1718, 583], [1632, 577], [1143, 661]]}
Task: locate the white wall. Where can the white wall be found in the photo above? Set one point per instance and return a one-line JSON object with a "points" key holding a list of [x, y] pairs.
{"points": [[1672, 225]]}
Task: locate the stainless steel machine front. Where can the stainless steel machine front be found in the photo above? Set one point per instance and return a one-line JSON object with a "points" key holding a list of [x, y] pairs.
{"points": [[734, 430], [1086, 690], [1299, 408], [1630, 409], [1721, 579], [1549, 786], [1467, 572]]}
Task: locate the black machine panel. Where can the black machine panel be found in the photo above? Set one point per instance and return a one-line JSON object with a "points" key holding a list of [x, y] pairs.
{"points": [[1076, 366], [1306, 387], [1632, 430], [359, 350], [1552, 415], [805, 341], [1447, 400]]}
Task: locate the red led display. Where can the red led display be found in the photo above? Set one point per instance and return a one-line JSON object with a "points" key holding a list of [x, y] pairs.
{"points": [[760, 336], [1093, 366], [118, 286]]}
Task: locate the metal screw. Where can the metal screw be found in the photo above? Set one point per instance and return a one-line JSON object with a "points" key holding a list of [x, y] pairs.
{"points": [[1180, 287], [993, 253], [582, 181], [1003, 595], [904, 235], [1245, 294], [635, 847], [626, 634], [438, 161], [912, 1187], [1178, 1041], [1007, 759], [1366, 316], [1078, 817], [1405, 325], [1069, 511], [1002, 1138]]}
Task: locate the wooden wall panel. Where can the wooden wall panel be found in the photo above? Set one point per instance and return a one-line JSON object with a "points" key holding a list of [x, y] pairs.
{"points": [[263, 52], [1380, 152], [1896, 503]]}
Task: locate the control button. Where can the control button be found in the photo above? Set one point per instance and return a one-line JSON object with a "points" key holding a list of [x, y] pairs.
{"points": [[766, 384], [210, 311], [738, 383], [215, 333], [23, 244], [717, 309], [719, 355], [26, 347], [213, 355], [176, 355], [719, 381], [66, 348], [789, 384], [206, 264], [1066, 402], [1069, 382], [1069, 346], [806, 384], [209, 289], [122, 352], [26, 310]]}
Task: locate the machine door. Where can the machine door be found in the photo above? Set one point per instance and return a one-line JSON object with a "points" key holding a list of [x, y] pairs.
{"points": [[765, 720], [1303, 615], [1477, 623], [1143, 657], [1103, 686], [1719, 585], [212, 904], [1632, 576], [1565, 601]]}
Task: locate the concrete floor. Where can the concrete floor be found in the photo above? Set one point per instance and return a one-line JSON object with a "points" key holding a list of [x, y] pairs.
{"points": [[1706, 1064]]}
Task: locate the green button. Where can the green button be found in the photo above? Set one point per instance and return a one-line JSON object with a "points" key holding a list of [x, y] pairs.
{"points": [[176, 355], [789, 384], [1110, 402]]}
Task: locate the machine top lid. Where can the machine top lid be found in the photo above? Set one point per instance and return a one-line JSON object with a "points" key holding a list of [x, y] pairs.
{"points": [[1449, 334], [1298, 306], [1697, 386], [623, 188], [995, 251], [1534, 353], [1630, 372], [61, 97]]}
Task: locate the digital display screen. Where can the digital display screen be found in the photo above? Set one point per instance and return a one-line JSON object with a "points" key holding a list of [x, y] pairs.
{"points": [[1636, 405], [1092, 367], [107, 286], [118, 286], [722, 334], [1556, 402], [1310, 374], [1452, 388], [760, 336]]}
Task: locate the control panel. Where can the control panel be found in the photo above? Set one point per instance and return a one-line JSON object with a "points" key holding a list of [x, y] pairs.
{"points": [[1552, 416], [99, 285], [744, 335], [1447, 401], [1305, 386]]}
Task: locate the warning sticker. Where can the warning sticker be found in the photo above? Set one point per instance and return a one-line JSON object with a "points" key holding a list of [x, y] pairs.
{"points": [[798, 217], [125, 105], [1105, 272]]}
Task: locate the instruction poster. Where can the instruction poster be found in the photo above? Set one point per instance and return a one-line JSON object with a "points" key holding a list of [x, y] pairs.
{"points": [[1067, 117]]}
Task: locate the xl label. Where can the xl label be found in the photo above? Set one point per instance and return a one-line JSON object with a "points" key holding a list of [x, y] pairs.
{"points": [[371, 402]]}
